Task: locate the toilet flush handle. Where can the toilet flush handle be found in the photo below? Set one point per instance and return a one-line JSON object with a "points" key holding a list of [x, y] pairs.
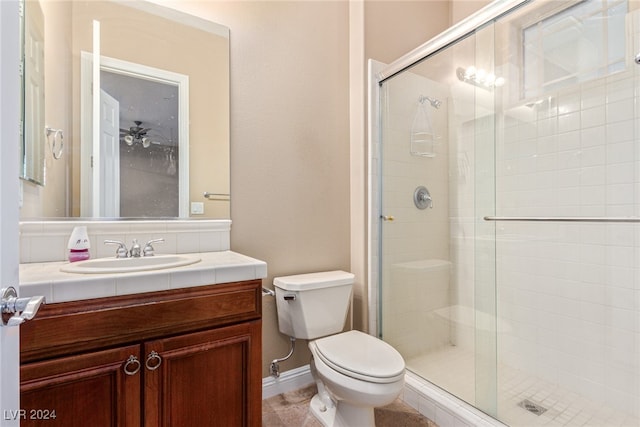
{"points": [[289, 297]]}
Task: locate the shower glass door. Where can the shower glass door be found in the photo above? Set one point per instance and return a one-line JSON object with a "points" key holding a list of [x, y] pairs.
{"points": [[437, 302], [514, 283], [566, 181]]}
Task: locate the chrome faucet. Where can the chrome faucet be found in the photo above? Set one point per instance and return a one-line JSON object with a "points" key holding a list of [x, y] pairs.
{"points": [[135, 250], [122, 251]]}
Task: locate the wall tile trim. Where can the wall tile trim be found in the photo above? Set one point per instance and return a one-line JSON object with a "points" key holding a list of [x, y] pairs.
{"points": [[46, 241]]}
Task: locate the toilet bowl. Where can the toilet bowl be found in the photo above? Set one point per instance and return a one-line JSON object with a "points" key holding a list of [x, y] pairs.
{"points": [[354, 372], [359, 372]]}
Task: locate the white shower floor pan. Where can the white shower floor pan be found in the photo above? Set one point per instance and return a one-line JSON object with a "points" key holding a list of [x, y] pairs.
{"points": [[452, 369]]}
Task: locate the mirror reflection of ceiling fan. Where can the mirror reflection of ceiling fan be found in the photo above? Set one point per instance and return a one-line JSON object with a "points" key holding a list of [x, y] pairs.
{"points": [[136, 134]]}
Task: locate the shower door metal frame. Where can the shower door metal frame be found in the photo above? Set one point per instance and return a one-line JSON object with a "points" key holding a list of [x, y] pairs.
{"points": [[455, 33]]}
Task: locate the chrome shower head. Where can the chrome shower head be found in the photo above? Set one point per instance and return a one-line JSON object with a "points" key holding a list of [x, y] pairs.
{"points": [[435, 103]]}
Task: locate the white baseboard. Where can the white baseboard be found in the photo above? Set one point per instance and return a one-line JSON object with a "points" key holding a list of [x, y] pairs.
{"points": [[293, 379]]}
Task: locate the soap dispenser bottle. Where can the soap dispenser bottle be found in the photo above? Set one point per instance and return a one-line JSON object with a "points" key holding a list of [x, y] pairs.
{"points": [[79, 244]]}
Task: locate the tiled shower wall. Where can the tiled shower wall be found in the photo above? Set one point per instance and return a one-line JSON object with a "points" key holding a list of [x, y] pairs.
{"points": [[569, 293]]}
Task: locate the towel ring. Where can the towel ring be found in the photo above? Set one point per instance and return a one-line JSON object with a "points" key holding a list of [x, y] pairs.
{"points": [[56, 143]]}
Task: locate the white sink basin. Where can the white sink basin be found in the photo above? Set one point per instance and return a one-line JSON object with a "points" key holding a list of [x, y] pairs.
{"points": [[128, 265]]}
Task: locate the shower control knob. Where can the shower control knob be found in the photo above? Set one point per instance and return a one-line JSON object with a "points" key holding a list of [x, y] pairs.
{"points": [[422, 199]]}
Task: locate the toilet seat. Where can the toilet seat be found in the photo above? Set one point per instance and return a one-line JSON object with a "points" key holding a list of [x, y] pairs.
{"points": [[361, 356]]}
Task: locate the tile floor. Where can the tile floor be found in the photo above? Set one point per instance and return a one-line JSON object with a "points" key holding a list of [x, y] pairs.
{"points": [[292, 410]]}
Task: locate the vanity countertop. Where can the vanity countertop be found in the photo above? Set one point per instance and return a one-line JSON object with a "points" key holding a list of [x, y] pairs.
{"points": [[213, 268]]}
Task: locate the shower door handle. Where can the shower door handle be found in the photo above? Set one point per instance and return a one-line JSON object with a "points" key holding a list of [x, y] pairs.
{"points": [[387, 217]]}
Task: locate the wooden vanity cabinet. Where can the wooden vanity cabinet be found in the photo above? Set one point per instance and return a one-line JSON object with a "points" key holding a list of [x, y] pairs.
{"points": [[172, 358]]}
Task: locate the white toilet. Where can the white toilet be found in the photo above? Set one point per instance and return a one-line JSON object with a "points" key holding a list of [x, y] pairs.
{"points": [[355, 372]]}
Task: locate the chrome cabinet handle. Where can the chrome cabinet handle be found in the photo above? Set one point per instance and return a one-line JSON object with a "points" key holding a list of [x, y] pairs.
{"points": [[132, 366], [153, 361]]}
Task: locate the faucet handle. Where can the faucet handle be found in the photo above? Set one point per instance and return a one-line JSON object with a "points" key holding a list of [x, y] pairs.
{"points": [[122, 251], [148, 249]]}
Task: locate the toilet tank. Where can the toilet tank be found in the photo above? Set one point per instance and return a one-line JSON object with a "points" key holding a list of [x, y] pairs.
{"points": [[313, 305]]}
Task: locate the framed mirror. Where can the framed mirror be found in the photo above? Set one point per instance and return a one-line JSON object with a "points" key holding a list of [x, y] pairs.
{"points": [[137, 107]]}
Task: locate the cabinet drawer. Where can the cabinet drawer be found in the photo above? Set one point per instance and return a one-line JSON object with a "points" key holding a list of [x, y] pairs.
{"points": [[78, 326]]}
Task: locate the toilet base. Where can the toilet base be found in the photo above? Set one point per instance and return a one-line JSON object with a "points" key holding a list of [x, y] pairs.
{"points": [[342, 415], [322, 413]]}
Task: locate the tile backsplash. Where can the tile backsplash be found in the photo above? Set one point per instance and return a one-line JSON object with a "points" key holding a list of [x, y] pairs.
{"points": [[46, 241]]}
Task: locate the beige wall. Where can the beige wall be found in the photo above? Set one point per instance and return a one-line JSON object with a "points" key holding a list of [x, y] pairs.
{"points": [[290, 141], [393, 28], [290, 130], [460, 9], [290, 149]]}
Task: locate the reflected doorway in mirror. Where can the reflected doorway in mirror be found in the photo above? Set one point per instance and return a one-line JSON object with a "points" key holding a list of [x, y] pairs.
{"points": [[152, 137]]}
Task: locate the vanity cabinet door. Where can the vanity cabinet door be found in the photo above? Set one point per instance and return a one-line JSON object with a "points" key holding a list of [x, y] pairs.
{"points": [[93, 389], [209, 378]]}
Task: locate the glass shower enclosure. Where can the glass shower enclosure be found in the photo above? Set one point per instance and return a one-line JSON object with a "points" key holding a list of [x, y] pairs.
{"points": [[507, 212]]}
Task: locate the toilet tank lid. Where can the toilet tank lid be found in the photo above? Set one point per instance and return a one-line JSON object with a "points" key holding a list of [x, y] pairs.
{"points": [[325, 279]]}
